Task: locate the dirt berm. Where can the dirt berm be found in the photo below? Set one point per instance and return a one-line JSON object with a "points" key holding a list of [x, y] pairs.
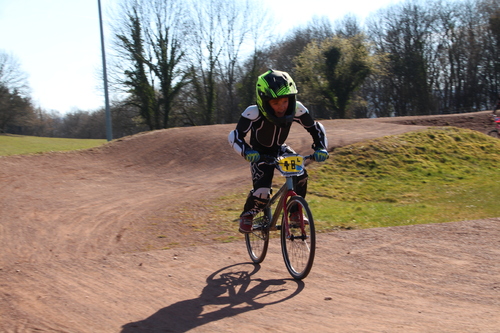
{"points": [[83, 234]]}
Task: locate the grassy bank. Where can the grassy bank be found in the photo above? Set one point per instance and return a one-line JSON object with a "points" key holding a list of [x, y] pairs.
{"points": [[431, 176], [436, 175], [19, 145]]}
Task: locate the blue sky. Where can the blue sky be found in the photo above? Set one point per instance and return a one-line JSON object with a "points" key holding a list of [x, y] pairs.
{"points": [[57, 42]]}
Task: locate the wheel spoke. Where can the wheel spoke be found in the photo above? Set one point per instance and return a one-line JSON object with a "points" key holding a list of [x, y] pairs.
{"points": [[257, 241], [298, 240]]}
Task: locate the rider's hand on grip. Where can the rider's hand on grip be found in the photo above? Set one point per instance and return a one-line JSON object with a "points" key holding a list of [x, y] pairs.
{"points": [[252, 156], [321, 155]]}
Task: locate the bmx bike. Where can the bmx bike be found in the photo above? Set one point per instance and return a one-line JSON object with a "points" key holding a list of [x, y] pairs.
{"points": [[298, 237], [495, 132]]}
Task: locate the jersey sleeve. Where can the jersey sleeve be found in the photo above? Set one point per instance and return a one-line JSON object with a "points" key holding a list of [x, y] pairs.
{"points": [[237, 136], [318, 134]]}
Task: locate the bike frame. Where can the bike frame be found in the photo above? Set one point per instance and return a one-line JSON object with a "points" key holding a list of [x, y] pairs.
{"points": [[286, 191]]}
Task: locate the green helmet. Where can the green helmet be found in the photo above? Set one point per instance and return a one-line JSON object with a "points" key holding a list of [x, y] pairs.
{"points": [[274, 84]]}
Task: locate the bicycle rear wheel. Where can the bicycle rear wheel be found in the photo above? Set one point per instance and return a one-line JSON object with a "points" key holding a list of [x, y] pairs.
{"points": [[258, 240], [494, 133], [298, 240]]}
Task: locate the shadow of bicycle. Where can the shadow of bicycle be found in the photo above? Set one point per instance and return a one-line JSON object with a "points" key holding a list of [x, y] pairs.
{"points": [[229, 292]]}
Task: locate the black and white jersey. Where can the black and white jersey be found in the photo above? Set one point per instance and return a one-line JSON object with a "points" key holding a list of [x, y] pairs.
{"points": [[266, 137]]}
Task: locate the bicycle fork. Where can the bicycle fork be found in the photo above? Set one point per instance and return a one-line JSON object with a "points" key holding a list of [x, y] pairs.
{"points": [[284, 193]]}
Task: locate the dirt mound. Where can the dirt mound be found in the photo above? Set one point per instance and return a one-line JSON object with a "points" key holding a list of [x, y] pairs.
{"points": [[479, 121], [82, 234]]}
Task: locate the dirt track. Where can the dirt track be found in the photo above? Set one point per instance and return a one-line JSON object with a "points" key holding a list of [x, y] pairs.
{"points": [[79, 248]]}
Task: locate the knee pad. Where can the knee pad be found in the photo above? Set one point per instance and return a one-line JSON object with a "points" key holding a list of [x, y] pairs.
{"points": [[262, 193]]}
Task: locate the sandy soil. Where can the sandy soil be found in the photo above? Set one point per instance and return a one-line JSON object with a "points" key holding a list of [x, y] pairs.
{"points": [[82, 252]]}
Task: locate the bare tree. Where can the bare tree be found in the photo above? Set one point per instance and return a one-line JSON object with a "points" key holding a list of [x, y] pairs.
{"points": [[244, 23], [443, 56], [207, 41], [11, 75], [224, 31], [404, 32], [16, 110], [283, 53], [165, 39], [262, 37], [348, 26], [490, 10]]}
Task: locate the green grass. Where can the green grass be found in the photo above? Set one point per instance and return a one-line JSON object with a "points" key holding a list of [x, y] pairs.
{"points": [[20, 145], [431, 176]]}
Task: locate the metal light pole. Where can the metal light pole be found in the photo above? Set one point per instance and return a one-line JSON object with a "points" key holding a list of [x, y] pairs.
{"points": [[109, 131]]}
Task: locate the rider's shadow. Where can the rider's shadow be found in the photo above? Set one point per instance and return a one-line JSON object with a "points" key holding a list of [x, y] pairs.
{"points": [[227, 293]]}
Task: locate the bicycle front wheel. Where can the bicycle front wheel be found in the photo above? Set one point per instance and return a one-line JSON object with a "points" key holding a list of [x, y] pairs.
{"points": [[258, 240], [494, 133], [298, 238]]}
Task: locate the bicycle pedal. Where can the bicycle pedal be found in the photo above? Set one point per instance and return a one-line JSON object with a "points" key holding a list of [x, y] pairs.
{"points": [[277, 227]]}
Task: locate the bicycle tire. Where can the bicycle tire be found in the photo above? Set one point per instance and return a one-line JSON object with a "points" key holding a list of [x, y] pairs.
{"points": [[494, 133], [298, 245], [257, 241]]}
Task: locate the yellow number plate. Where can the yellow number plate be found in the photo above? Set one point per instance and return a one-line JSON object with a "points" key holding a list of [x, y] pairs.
{"points": [[291, 164]]}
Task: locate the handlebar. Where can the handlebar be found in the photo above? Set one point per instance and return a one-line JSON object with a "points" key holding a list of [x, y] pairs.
{"points": [[272, 160]]}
